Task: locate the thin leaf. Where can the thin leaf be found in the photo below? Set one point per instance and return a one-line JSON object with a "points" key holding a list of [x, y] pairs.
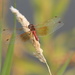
{"points": [[0, 46], [1, 22], [62, 70], [9, 56]]}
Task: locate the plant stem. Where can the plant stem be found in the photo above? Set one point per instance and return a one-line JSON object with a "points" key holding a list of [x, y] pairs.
{"points": [[0, 45], [48, 68], [1, 22]]}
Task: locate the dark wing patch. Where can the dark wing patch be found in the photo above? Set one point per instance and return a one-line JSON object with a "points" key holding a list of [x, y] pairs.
{"points": [[42, 31], [24, 36]]}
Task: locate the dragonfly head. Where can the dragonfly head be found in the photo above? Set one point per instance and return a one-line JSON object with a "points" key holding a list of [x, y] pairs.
{"points": [[31, 27]]}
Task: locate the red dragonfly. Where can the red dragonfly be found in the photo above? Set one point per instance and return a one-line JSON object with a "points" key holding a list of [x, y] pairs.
{"points": [[41, 30]]}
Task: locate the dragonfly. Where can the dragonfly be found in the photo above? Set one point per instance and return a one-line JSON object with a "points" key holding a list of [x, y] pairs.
{"points": [[42, 29]]}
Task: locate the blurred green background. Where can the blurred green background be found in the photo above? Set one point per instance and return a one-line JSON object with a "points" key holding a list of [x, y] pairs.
{"points": [[57, 47]]}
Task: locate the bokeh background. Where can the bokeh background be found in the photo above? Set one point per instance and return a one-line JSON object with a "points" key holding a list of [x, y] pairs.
{"points": [[57, 47]]}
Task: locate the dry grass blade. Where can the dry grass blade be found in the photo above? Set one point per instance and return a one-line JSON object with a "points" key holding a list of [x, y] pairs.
{"points": [[24, 22]]}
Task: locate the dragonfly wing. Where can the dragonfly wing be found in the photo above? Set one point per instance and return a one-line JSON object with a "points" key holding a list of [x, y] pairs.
{"points": [[55, 27], [24, 37], [42, 31], [49, 27], [7, 36]]}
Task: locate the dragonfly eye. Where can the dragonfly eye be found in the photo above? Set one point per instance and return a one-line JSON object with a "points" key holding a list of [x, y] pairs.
{"points": [[30, 26]]}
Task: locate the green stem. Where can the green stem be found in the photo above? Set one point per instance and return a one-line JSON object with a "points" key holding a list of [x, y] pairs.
{"points": [[0, 45], [1, 22]]}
